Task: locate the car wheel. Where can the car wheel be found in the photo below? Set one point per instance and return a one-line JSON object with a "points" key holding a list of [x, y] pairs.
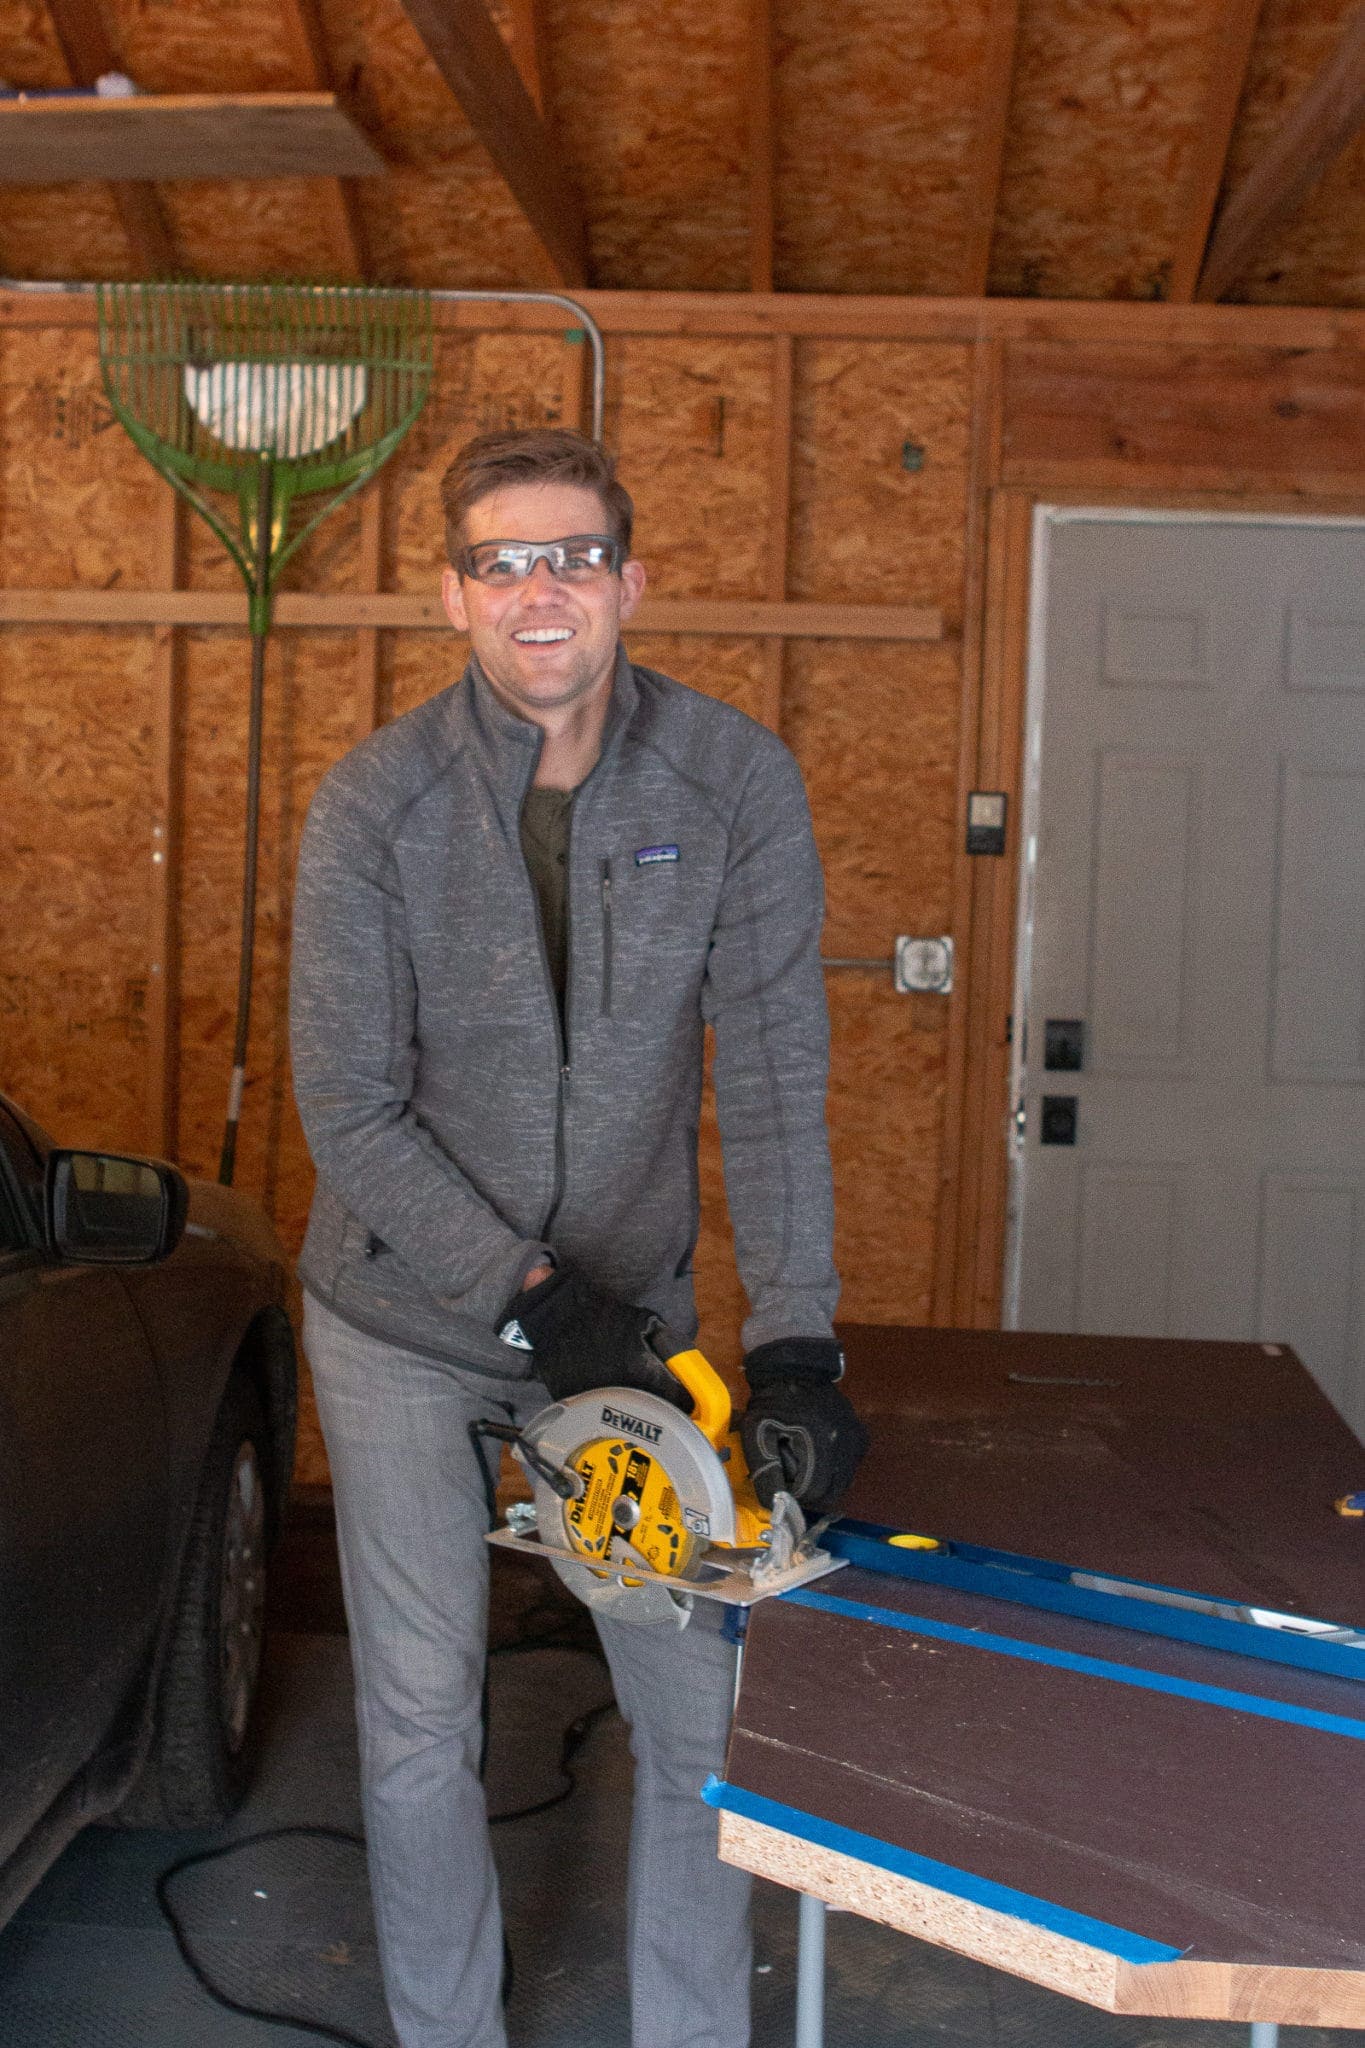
{"points": [[202, 1753]]}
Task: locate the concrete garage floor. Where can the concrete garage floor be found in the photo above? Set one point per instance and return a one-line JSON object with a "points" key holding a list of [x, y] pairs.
{"points": [[90, 1963]]}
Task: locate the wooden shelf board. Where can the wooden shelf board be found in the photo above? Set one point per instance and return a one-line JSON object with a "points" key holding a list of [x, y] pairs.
{"points": [[183, 135]]}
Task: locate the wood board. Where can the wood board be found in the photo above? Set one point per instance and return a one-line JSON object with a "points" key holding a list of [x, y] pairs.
{"points": [[1123, 1788], [182, 135]]}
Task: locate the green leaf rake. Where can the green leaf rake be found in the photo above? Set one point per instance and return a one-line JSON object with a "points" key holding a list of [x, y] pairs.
{"points": [[265, 393]]}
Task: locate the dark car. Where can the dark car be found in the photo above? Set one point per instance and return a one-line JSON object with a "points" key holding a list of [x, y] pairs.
{"points": [[147, 1410]]}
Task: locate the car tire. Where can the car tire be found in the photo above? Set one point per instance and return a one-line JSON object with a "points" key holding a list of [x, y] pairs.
{"points": [[202, 1755]]}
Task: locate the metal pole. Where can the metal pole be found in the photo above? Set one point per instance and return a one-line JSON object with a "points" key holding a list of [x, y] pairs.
{"points": [[260, 615], [810, 1973], [1265, 2034]]}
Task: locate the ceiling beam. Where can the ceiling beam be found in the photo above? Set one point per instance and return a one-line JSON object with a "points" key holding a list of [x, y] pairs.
{"points": [[759, 88], [1315, 130], [988, 145], [1229, 59], [476, 64], [302, 24], [88, 54]]}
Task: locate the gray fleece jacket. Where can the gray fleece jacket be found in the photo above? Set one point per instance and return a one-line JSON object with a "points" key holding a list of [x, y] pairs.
{"points": [[458, 1133]]}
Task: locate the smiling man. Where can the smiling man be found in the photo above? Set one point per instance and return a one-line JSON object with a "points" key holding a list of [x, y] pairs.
{"points": [[517, 909]]}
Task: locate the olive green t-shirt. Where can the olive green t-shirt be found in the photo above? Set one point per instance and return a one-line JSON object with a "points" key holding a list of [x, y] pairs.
{"points": [[545, 818]]}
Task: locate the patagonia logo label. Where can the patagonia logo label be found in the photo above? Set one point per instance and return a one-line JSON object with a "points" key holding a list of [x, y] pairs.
{"points": [[656, 856], [632, 1425]]}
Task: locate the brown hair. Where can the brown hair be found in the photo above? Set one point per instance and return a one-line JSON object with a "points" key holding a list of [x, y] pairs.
{"points": [[531, 455]]}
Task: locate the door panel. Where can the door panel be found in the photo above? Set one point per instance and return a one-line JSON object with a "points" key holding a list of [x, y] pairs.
{"points": [[1195, 897], [83, 1505]]}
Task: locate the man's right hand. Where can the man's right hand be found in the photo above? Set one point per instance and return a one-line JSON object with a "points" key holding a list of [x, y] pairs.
{"points": [[581, 1337]]}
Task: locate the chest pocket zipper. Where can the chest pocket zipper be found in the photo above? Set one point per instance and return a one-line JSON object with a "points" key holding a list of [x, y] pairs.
{"points": [[606, 938]]}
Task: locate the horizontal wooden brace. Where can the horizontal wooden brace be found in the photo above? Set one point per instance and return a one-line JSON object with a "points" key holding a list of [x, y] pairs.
{"points": [[740, 617], [849, 319]]}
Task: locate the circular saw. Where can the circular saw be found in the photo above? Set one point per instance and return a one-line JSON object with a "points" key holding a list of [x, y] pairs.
{"points": [[642, 1509]]}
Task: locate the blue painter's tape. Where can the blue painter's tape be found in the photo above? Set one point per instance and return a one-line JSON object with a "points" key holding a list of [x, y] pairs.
{"points": [[1036, 1582], [1090, 1667], [943, 1877]]}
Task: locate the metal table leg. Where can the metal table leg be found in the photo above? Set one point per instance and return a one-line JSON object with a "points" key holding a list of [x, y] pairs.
{"points": [[810, 1974], [1265, 2034]]}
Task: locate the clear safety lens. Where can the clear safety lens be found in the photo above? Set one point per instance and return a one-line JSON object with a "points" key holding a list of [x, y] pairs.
{"points": [[582, 558]]}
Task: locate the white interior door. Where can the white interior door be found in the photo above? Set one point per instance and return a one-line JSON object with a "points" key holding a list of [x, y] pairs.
{"points": [[1192, 928]]}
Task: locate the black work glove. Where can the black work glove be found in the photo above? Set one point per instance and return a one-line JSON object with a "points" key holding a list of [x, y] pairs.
{"points": [[582, 1337], [800, 1434]]}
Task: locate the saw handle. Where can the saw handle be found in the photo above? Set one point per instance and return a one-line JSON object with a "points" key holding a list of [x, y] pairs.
{"points": [[710, 1395]]}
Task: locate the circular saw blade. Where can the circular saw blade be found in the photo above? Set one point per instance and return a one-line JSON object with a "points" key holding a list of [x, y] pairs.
{"points": [[655, 1495]]}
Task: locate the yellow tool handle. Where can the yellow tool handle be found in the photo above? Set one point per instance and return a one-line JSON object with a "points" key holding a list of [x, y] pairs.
{"points": [[710, 1395]]}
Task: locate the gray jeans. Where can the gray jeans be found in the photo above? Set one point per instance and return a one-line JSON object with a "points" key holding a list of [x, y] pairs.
{"points": [[411, 1518]]}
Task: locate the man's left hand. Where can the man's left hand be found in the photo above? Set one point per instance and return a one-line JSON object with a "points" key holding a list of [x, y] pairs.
{"points": [[800, 1433]]}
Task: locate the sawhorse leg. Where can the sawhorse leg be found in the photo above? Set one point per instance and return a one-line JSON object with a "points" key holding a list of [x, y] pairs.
{"points": [[810, 1973], [1265, 2034]]}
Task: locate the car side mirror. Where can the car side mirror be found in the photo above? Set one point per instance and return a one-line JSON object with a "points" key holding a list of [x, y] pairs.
{"points": [[102, 1209]]}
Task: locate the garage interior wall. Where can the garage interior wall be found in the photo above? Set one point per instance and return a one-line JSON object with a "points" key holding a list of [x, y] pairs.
{"points": [[801, 453]]}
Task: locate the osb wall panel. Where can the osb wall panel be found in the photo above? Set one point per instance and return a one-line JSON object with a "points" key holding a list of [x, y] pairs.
{"points": [[76, 508], [74, 853], [442, 215], [866, 528], [1105, 103], [875, 730], [482, 382], [650, 107], [1317, 258], [76, 500], [691, 424], [309, 724], [873, 724], [56, 231], [875, 120]]}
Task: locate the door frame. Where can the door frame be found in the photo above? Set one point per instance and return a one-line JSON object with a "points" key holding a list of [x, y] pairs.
{"points": [[970, 1270]]}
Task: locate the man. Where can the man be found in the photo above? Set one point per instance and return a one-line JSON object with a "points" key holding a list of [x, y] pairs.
{"points": [[516, 908]]}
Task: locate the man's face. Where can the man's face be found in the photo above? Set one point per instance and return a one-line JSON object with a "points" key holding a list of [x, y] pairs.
{"points": [[542, 644]]}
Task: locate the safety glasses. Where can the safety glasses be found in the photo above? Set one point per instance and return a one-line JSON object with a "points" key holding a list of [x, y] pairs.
{"points": [[582, 558]]}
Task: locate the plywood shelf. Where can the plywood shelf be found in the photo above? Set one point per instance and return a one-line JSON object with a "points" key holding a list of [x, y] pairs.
{"points": [[53, 141]]}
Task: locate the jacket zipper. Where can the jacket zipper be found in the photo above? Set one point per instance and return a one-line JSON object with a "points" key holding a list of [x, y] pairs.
{"points": [[561, 1023], [606, 938]]}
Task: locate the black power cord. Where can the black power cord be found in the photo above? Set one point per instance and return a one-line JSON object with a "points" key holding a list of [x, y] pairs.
{"points": [[558, 1635]]}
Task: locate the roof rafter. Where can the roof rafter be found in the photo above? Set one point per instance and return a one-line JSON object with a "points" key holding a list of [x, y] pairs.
{"points": [[476, 64], [88, 54], [302, 25], [1315, 131], [1233, 39], [759, 86], [988, 145]]}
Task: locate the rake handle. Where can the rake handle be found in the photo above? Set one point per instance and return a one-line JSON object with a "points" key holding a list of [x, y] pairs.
{"points": [[265, 483]]}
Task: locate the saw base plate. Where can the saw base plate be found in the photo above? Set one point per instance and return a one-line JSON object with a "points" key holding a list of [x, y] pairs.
{"points": [[733, 1587]]}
